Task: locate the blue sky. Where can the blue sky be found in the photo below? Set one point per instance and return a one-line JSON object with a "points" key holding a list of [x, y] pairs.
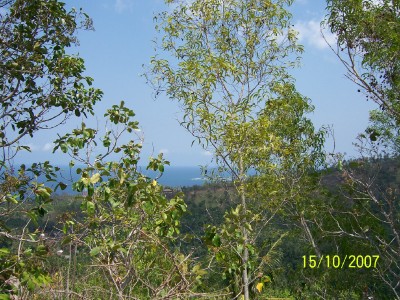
{"points": [[122, 42]]}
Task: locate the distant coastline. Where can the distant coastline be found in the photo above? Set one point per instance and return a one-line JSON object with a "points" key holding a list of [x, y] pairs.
{"points": [[179, 176], [173, 177]]}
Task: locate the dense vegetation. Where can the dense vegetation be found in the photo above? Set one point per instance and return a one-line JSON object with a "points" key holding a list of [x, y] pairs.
{"points": [[302, 226]]}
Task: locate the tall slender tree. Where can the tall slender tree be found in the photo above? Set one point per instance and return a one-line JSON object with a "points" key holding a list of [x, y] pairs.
{"points": [[228, 66]]}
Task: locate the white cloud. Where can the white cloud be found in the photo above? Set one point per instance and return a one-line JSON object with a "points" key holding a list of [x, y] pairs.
{"points": [[123, 5], [207, 153], [310, 33], [48, 147], [165, 151]]}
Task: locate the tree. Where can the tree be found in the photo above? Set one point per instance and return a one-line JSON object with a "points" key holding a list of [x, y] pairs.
{"points": [[229, 69], [369, 47], [130, 228], [40, 84]]}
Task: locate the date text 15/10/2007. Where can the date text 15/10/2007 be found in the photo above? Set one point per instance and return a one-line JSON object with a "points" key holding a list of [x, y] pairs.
{"points": [[338, 262]]}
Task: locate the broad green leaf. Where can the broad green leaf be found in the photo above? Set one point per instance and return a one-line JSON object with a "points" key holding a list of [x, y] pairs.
{"points": [[90, 206], [95, 251], [95, 178], [66, 240]]}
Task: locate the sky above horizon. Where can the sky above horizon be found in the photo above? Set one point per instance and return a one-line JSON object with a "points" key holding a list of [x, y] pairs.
{"points": [[122, 42]]}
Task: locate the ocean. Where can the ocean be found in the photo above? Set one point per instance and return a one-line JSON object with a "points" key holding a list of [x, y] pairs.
{"points": [[179, 176], [173, 177]]}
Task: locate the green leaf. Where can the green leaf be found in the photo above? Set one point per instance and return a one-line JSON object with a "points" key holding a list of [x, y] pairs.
{"points": [[4, 251], [66, 240], [216, 241], [5, 297], [85, 181], [90, 207], [62, 185], [95, 251], [65, 229], [90, 189], [41, 250], [12, 199], [43, 192], [64, 147], [95, 178]]}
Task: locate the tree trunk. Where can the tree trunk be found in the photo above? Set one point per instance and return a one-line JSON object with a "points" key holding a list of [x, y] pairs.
{"points": [[245, 258]]}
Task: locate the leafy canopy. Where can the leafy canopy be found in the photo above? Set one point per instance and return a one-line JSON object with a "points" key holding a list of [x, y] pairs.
{"points": [[228, 66], [40, 84], [368, 35]]}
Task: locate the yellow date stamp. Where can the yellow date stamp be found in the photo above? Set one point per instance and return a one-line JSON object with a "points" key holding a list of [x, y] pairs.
{"points": [[340, 262]]}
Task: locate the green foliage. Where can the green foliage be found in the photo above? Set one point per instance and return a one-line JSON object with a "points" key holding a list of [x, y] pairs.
{"points": [[41, 85], [369, 220], [382, 135], [129, 225], [24, 200], [122, 237], [226, 62], [230, 73], [368, 34]]}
